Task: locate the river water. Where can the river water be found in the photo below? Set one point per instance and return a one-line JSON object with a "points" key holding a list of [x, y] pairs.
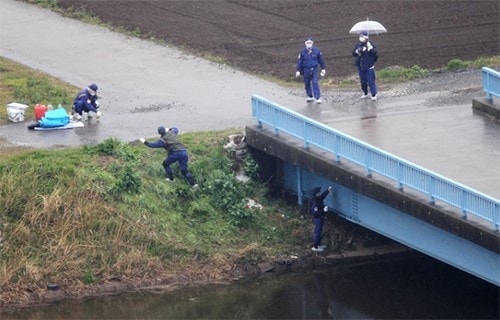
{"points": [[415, 288]]}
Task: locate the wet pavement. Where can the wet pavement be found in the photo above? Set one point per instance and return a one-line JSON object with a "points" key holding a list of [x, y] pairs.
{"points": [[143, 85]]}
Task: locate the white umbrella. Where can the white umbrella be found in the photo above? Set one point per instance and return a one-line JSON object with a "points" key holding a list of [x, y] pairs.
{"points": [[369, 26]]}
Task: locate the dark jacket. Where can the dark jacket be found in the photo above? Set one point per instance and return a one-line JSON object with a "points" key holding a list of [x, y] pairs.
{"points": [[310, 59], [365, 59], [84, 100], [170, 141], [317, 205]]}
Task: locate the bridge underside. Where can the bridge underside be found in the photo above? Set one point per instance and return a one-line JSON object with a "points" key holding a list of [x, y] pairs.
{"points": [[376, 204]]}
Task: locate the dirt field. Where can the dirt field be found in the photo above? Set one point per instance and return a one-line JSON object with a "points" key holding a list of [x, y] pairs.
{"points": [[265, 37]]}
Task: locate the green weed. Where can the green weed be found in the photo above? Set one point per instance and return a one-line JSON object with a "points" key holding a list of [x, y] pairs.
{"points": [[457, 64], [88, 277], [50, 4], [115, 148], [398, 74]]}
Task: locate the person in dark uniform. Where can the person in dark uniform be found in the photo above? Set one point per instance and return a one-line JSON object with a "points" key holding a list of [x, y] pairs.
{"points": [[318, 211], [366, 54], [86, 101], [308, 62], [176, 152]]}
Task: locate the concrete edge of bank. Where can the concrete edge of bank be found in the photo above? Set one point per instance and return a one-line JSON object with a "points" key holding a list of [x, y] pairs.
{"points": [[486, 107]]}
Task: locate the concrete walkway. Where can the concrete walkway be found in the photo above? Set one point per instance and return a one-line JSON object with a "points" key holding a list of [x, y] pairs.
{"points": [[144, 85]]}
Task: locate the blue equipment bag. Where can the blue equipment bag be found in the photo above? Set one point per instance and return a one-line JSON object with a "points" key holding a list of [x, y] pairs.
{"points": [[54, 118]]}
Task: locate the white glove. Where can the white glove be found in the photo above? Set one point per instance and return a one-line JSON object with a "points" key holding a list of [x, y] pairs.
{"points": [[142, 140], [369, 46], [97, 103], [322, 73], [363, 48], [297, 74], [325, 209], [330, 188], [98, 114]]}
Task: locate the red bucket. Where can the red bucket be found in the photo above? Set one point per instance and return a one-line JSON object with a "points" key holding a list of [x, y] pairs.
{"points": [[40, 110]]}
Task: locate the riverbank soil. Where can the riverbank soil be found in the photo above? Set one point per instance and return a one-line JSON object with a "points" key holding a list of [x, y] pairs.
{"points": [[264, 37]]}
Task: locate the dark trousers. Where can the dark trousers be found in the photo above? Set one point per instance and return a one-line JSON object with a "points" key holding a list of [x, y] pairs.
{"points": [[367, 78], [81, 108], [180, 156], [318, 230], [311, 82]]}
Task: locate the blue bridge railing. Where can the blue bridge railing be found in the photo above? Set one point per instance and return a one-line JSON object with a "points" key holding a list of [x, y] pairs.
{"points": [[376, 160], [491, 83]]}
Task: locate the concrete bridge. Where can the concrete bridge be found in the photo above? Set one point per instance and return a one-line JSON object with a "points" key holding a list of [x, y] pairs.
{"points": [[379, 191]]}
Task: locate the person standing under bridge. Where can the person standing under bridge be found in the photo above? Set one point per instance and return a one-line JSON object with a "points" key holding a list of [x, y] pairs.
{"points": [[318, 211], [308, 61]]}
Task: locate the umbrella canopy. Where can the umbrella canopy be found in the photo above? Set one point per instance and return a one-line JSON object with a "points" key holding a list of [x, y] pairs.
{"points": [[369, 26]]}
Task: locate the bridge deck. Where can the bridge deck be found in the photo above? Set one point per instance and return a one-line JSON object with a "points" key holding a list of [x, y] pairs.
{"points": [[454, 141]]}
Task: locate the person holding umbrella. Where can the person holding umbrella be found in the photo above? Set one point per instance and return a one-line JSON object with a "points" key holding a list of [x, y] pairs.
{"points": [[365, 53], [308, 61]]}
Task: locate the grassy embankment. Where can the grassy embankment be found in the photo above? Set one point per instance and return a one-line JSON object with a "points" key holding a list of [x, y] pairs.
{"points": [[82, 216], [86, 214]]}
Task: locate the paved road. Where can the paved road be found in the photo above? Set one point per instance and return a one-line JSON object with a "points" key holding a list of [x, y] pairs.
{"points": [[142, 84], [430, 123]]}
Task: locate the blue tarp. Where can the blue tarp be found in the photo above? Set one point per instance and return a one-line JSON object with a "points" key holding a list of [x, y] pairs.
{"points": [[54, 118]]}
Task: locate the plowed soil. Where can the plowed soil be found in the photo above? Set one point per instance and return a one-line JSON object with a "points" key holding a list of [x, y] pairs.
{"points": [[264, 37]]}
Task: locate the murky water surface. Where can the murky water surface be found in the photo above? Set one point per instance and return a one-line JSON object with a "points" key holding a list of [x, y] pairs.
{"points": [[420, 288]]}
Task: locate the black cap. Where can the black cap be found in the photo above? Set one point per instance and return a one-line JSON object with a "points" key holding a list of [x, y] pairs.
{"points": [[161, 130]]}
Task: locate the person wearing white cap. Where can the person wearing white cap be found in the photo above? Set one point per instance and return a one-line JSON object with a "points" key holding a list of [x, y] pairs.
{"points": [[366, 55], [308, 61]]}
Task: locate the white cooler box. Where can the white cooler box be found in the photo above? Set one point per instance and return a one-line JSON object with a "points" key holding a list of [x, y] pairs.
{"points": [[15, 111]]}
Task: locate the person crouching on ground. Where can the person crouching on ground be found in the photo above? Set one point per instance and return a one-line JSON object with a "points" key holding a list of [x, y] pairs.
{"points": [[318, 211], [86, 101], [309, 59], [176, 152], [366, 55]]}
